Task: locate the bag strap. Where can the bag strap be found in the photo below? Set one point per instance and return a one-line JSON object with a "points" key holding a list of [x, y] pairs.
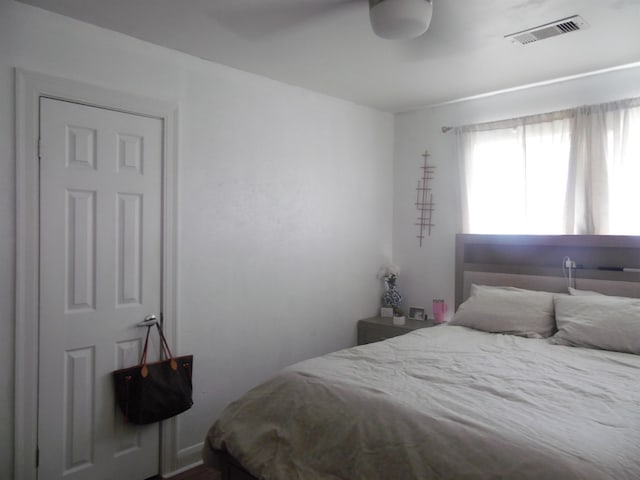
{"points": [[163, 342], [166, 349], [143, 361]]}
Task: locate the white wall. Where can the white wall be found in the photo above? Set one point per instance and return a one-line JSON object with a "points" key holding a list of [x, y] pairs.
{"points": [[428, 272], [285, 207]]}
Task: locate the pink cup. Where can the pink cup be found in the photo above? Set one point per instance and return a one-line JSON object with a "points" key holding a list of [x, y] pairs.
{"points": [[439, 309]]}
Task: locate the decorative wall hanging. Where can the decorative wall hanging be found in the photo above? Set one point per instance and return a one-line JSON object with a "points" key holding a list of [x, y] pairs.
{"points": [[424, 199]]}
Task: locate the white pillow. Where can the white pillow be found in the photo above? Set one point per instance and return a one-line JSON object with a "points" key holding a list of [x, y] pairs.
{"points": [[507, 310], [598, 321]]}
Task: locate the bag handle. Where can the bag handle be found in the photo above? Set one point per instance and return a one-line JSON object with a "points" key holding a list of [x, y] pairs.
{"points": [[143, 361], [165, 349]]}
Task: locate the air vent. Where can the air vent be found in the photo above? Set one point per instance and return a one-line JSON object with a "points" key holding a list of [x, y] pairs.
{"points": [[559, 27]]}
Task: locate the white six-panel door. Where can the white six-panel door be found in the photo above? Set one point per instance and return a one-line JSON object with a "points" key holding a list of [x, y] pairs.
{"points": [[100, 274]]}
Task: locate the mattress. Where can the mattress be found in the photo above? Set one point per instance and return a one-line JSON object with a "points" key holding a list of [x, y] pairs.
{"points": [[441, 403]]}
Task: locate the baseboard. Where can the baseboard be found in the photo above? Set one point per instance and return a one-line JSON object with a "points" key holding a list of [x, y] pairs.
{"points": [[181, 470], [192, 454], [187, 458]]}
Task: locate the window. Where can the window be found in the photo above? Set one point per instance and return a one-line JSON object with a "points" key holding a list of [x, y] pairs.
{"points": [[623, 166], [576, 171]]}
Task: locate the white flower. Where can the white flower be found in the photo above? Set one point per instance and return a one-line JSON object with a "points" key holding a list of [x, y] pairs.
{"points": [[388, 270]]}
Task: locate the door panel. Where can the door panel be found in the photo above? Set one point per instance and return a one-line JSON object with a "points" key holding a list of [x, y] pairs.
{"points": [[100, 274]]}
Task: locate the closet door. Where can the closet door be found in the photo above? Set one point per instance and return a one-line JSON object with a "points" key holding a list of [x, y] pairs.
{"points": [[100, 275]]}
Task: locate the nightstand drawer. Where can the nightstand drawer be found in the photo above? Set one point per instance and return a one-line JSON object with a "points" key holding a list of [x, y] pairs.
{"points": [[376, 329], [376, 333]]}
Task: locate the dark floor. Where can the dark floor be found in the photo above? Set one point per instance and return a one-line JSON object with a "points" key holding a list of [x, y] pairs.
{"points": [[198, 473]]}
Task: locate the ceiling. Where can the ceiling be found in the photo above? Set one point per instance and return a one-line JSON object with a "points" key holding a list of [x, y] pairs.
{"points": [[328, 45]]}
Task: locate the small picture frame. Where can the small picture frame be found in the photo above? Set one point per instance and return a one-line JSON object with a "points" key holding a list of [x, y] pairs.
{"points": [[386, 312], [417, 313]]}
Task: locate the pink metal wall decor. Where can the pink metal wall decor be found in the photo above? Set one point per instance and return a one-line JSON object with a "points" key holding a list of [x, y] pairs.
{"points": [[424, 199]]}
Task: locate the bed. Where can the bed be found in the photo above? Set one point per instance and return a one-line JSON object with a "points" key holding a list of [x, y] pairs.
{"points": [[455, 401]]}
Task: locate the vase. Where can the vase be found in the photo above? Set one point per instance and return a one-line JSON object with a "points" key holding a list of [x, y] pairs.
{"points": [[391, 297]]}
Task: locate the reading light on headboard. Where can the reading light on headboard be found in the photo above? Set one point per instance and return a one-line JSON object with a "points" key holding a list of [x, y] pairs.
{"points": [[535, 262]]}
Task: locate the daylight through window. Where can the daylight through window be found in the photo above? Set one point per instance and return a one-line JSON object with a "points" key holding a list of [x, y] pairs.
{"points": [[575, 171]]}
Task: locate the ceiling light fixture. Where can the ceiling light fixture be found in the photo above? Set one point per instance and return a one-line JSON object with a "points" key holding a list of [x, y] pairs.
{"points": [[400, 19]]}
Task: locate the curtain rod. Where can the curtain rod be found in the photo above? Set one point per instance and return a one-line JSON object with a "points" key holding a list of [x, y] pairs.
{"points": [[566, 113]]}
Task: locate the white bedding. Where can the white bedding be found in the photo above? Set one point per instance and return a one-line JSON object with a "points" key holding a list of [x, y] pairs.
{"points": [[442, 403]]}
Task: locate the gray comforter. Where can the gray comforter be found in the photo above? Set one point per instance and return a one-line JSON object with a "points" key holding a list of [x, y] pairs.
{"points": [[441, 403]]}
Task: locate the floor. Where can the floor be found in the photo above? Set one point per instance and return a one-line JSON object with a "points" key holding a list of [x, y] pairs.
{"points": [[198, 473]]}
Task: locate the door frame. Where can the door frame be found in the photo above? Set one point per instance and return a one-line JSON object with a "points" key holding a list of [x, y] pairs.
{"points": [[29, 88]]}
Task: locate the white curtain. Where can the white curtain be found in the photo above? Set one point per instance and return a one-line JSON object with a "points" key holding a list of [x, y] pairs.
{"points": [[575, 171], [514, 175], [603, 196]]}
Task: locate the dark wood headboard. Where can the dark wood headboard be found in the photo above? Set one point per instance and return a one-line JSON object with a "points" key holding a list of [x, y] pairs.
{"points": [[535, 262]]}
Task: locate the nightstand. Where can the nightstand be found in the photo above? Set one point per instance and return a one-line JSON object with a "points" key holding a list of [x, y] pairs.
{"points": [[375, 329]]}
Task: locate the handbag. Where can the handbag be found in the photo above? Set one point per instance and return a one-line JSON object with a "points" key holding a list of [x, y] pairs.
{"points": [[151, 392]]}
